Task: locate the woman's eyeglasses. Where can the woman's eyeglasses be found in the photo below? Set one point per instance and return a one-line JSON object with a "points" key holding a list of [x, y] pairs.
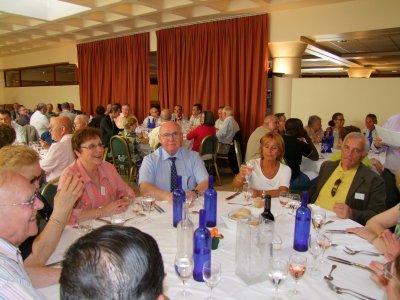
{"points": [[92, 146]]}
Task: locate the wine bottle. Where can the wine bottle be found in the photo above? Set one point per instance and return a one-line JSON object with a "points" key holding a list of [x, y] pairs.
{"points": [[267, 214], [210, 203], [201, 247], [179, 197], [185, 231], [302, 225]]}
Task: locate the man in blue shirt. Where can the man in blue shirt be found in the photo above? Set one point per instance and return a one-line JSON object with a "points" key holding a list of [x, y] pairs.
{"points": [[155, 171]]}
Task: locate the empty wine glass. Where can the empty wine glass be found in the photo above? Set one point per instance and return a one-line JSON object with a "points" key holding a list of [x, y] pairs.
{"points": [[325, 241], [147, 203], [318, 218], [294, 202], [211, 275], [314, 247], [297, 268], [184, 270], [278, 274]]}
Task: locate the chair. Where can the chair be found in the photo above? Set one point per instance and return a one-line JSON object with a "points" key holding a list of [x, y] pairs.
{"points": [[49, 191], [47, 195], [208, 153], [238, 152], [234, 152], [121, 157]]}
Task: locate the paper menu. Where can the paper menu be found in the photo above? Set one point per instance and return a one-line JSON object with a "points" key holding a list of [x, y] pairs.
{"points": [[389, 137]]}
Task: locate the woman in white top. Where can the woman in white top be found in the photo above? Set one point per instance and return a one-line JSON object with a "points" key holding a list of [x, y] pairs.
{"points": [[266, 175]]}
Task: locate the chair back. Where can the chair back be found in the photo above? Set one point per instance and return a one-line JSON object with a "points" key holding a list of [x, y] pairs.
{"points": [[238, 153], [49, 191], [120, 153], [208, 147]]}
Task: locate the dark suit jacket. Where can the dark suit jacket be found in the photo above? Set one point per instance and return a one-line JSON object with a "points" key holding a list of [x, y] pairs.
{"points": [[108, 129], [365, 183]]}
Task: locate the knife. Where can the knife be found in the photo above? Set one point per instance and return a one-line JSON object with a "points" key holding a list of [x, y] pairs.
{"points": [[158, 208], [350, 263], [338, 231], [232, 196], [103, 220]]}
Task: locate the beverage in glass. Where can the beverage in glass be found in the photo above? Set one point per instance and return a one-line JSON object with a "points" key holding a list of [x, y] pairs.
{"points": [[147, 203], [297, 268], [184, 270], [318, 218]]}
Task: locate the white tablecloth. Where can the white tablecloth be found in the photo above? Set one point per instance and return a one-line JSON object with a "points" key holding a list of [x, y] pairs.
{"points": [[231, 286]]}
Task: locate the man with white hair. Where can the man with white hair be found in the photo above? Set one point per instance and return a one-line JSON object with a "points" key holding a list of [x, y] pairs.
{"points": [[119, 121], [270, 124], [81, 122], [227, 131], [347, 187], [19, 205]]}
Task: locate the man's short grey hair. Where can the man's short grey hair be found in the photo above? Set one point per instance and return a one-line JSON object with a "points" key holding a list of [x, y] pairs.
{"points": [[166, 115], [358, 135], [84, 118], [313, 119], [228, 110], [40, 106]]}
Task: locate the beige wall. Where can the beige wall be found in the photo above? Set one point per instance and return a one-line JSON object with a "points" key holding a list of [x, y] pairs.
{"points": [[31, 96], [355, 98]]}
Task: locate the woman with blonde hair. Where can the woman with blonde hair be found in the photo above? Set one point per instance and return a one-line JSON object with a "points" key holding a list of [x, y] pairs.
{"points": [[266, 175]]}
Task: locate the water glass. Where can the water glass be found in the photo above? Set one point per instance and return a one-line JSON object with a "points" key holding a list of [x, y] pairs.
{"points": [[325, 241], [211, 275], [184, 269], [278, 274], [315, 248], [246, 191], [147, 203]]}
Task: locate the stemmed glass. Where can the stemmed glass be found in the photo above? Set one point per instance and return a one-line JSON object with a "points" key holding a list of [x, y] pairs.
{"points": [[278, 274], [295, 202], [147, 203], [184, 269], [318, 218], [246, 191], [297, 268], [211, 275], [325, 241], [314, 247], [283, 200]]}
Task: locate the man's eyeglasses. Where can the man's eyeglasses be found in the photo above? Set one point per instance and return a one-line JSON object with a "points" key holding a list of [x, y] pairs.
{"points": [[30, 202], [173, 135], [92, 146], [335, 187], [36, 178]]}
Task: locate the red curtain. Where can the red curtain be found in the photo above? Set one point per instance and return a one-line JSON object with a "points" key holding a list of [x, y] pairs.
{"points": [[115, 70], [216, 64]]}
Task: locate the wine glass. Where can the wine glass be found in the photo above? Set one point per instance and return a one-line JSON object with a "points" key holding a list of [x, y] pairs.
{"points": [[283, 200], [294, 202], [278, 274], [184, 269], [250, 169], [297, 268], [314, 247], [318, 218], [211, 275], [147, 203], [325, 241]]}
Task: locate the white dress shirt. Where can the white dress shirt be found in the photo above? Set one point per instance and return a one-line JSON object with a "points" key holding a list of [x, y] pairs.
{"points": [[40, 122], [227, 131], [59, 156]]}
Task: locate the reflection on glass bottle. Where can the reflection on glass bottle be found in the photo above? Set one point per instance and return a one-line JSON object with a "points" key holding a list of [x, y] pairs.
{"points": [[302, 225], [201, 246], [210, 203]]}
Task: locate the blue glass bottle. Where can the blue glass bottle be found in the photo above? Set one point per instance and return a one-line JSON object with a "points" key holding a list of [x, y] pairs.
{"points": [[148, 123], [210, 203], [201, 247], [179, 197], [302, 225]]}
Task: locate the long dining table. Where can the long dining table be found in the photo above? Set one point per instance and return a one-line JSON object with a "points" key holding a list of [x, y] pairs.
{"points": [[231, 286]]}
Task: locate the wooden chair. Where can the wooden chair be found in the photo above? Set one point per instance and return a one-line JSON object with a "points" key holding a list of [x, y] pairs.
{"points": [[208, 153], [121, 157]]}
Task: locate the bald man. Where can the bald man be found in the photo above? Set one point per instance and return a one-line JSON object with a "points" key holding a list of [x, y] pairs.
{"points": [[81, 122], [60, 154], [155, 171], [270, 124]]}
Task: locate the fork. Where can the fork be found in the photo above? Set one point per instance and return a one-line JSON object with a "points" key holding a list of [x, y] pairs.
{"points": [[353, 252], [339, 290]]}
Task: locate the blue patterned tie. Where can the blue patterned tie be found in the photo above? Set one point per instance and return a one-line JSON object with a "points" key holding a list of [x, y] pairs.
{"points": [[174, 174]]}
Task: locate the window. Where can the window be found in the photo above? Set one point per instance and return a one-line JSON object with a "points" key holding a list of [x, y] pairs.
{"points": [[47, 75]]}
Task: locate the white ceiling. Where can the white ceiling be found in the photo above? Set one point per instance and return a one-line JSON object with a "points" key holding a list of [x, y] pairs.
{"points": [[111, 18]]}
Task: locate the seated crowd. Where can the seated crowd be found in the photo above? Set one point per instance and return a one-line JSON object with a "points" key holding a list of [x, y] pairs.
{"points": [[90, 187]]}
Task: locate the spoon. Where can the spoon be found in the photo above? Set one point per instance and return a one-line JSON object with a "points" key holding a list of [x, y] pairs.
{"points": [[329, 276]]}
